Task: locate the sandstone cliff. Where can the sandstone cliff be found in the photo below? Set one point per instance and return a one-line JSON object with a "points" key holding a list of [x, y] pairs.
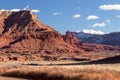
{"points": [[23, 37], [22, 33]]}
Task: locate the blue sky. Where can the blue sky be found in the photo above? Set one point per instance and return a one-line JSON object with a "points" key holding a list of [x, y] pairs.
{"points": [[73, 15]]}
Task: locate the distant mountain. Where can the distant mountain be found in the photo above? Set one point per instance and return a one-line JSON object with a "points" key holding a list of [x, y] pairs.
{"points": [[107, 39], [70, 38]]}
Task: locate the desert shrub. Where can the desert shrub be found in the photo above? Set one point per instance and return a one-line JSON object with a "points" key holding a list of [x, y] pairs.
{"points": [[58, 73]]}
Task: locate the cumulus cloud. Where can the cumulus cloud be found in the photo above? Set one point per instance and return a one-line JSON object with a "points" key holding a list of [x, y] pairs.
{"points": [[118, 16], [35, 10], [90, 17], [78, 31], [108, 21], [26, 8], [110, 7], [76, 16], [88, 8], [78, 7], [56, 13], [4, 10], [91, 31], [99, 25], [14, 10]]}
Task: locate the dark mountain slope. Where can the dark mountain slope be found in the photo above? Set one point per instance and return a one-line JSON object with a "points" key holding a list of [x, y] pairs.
{"points": [[107, 39]]}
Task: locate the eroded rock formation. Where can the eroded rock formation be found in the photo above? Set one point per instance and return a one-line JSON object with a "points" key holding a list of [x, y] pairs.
{"points": [[23, 37], [23, 33]]}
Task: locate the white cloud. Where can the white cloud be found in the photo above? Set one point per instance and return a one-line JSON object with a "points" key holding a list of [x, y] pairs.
{"points": [[118, 16], [99, 25], [56, 13], [4, 10], [108, 21], [88, 8], [91, 31], [110, 7], [78, 31], [78, 7], [26, 8], [90, 17], [76, 16], [14, 10], [35, 10]]}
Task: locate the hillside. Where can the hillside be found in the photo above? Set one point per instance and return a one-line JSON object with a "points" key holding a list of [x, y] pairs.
{"points": [[107, 39], [23, 37], [22, 33]]}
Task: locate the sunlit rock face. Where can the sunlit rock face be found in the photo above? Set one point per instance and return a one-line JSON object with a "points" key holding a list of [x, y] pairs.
{"points": [[22, 33], [23, 37]]}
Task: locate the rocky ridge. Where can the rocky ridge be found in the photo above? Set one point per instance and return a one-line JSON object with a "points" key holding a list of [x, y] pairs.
{"points": [[22, 34], [23, 37], [112, 38]]}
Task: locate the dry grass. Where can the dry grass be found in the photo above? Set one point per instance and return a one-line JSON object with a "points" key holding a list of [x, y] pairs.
{"points": [[84, 72]]}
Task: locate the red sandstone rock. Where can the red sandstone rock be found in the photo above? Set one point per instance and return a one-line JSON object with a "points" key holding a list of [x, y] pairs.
{"points": [[4, 58], [23, 33], [71, 39], [21, 58]]}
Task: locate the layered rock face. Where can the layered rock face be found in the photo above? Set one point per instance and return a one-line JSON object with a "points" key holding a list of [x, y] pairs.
{"points": [[71, 39], [23, 37], [3, 16], [23, 33]]}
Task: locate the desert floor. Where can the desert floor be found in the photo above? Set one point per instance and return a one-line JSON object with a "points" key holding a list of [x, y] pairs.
{"points": [[67, 68]]}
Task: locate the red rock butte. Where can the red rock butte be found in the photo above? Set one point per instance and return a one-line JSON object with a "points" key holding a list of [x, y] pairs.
{"points": [[23, 37], [21, 32]]}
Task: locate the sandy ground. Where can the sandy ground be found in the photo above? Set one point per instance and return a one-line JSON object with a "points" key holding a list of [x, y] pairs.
{"points": [[41, 64], [34, 64], [9, 78]]}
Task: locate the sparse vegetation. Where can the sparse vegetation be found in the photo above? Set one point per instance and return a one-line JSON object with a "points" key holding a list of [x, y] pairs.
{"points": [[83, 72]]}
